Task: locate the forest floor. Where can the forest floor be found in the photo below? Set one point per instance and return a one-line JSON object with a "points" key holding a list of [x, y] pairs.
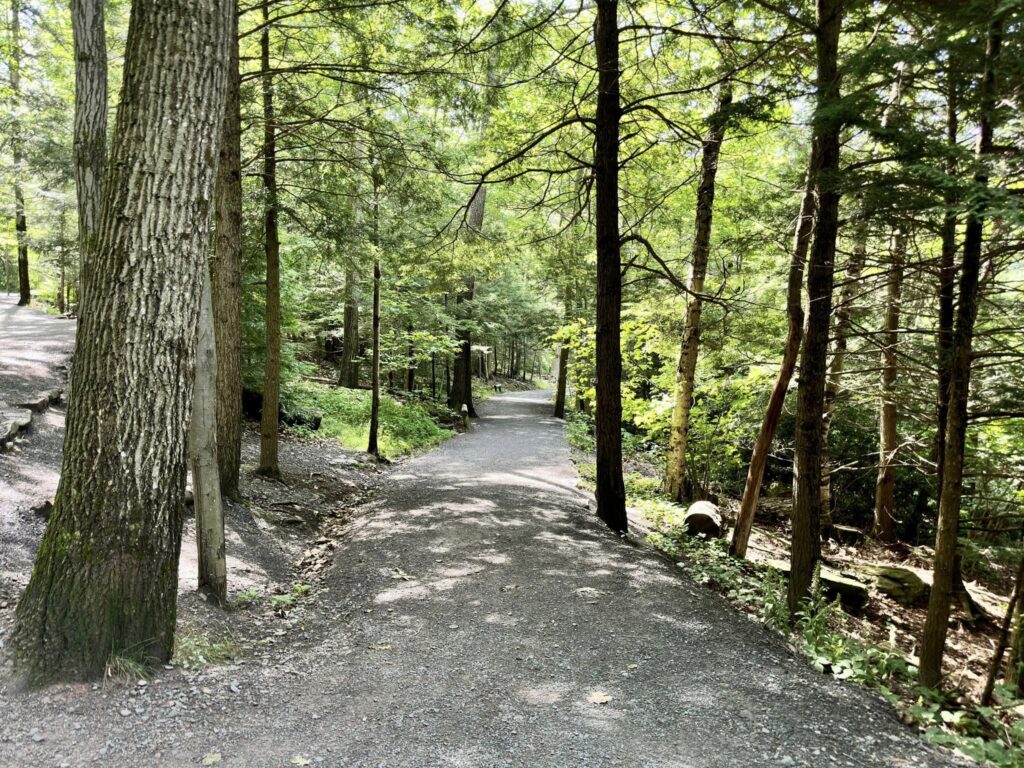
{"points": [[462, 609]]}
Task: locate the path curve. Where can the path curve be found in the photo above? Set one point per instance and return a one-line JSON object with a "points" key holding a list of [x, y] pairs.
{"points": [[477, 615]]}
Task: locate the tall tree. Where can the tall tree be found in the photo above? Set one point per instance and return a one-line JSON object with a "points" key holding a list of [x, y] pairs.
{"points": [[18, 156], [933, 641], [90, 41], [675, 469], [806, 546], [268, 463], [611, 490], [794, 335], [227, 279], [106, 577], [888, 442]]}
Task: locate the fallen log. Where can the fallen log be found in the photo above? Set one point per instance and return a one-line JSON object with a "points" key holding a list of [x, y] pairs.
{"points": [[704, 518]]}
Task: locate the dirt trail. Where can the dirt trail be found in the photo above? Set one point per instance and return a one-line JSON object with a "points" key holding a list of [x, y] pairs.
{"points": [[476, 614]]}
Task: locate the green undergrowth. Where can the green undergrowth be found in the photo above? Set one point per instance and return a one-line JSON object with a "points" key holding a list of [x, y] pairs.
{"points": [[406, 426], [830, 639]]}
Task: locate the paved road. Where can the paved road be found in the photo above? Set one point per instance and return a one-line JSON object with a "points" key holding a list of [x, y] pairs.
{"points": [[475, 616]]}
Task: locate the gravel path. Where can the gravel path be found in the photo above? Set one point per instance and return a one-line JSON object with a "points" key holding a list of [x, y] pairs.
{"points": [[477, 615], [34, 349]]}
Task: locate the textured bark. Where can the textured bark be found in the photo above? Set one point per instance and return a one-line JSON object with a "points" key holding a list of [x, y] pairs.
{"points": [[203, 453], [268, 464], [227, 280], [806, 544], [933, 640], [675, 469], [794, 334], [610, 491], [833, 386], [885, 485], [106, 576], [90, 42], [17, 155]]}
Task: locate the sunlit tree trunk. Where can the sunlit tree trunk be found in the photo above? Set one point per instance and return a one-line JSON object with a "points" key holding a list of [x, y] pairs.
{"points": [[885, 486], [806, 543], [227, 280], [675, 462], [610, 487], [105, 580], [268, 464], [933, 641], [206, 484], [90, 44], [794, 334]]}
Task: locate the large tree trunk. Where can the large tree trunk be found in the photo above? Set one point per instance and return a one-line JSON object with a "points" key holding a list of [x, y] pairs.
{"points": [[227, 280], [933, 640], [17, 155], [794, 334], [611, 490], [268, 464], [675, 464], [806, 544], [833, 386], [885, 485], [213, 577], [90, 42], [106, 576]]}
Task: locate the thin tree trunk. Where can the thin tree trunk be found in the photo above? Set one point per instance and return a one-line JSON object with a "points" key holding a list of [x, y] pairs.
{"points": [[833, 386], [563, 376], [268, 464], [90, 44], [794, 334], [885, 486], [227, 280], [20, 225], [675, 469], [1015, 660], [350, 340], [206, 484], [372, 445], [933, 641], [610, 487], [1004, 635], [806, 544], [410, 371], [105, 580]]}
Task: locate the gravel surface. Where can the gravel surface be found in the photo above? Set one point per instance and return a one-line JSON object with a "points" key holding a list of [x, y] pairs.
{"points": [[476, 614]]}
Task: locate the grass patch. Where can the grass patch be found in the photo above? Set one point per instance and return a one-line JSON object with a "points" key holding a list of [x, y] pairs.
{"points": [[196, 650], [405, 426]]}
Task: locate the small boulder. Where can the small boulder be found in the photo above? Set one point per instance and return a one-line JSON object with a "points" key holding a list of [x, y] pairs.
{"points": [[901, 584], [704, 518]]}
